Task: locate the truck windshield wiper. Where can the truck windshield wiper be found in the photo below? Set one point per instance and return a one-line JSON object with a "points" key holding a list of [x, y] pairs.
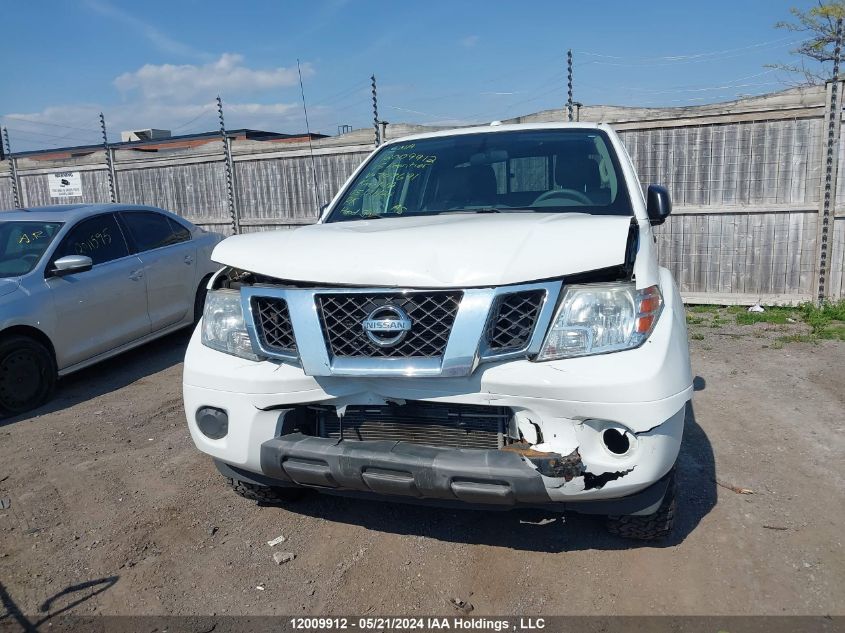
{"points": [[478, 210], [491, 210]]}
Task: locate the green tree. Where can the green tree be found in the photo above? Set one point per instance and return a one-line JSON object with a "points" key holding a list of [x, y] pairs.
{"points": [[816, 52]]}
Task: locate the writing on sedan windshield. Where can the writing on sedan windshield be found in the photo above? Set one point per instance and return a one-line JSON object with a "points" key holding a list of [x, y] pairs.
{"points": [[93, 242], [22, 244], [29, 238]]}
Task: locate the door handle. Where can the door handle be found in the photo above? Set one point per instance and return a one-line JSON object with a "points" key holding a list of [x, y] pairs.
{"points": [[189, 259], [136, 275]]}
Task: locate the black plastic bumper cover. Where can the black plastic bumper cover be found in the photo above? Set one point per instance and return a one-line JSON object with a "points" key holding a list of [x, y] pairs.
{"points": [[412, 471]]}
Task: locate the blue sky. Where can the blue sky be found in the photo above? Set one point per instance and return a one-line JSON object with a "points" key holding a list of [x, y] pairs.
{"points": [[160, 64]]}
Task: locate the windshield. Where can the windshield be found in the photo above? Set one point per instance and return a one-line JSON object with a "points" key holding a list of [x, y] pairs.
{"points": [[548, 171], [22, 244]]}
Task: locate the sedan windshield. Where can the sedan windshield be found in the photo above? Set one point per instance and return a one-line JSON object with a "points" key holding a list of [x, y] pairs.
{"points": [[22, 244], [548, 171]]}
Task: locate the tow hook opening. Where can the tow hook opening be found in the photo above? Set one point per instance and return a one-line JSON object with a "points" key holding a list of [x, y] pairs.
{"points": [[616, 441]]}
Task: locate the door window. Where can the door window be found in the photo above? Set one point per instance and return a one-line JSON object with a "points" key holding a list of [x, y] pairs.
{"points": [[98, 238], [150, 230], [180, 232]]}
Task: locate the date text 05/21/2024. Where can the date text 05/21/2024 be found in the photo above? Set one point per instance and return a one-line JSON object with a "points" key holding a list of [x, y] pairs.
{"points": [[416, 623]]}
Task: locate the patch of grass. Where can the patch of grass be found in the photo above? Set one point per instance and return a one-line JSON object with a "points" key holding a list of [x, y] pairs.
{"points": [[796, 338], [702, 309], [834, 331], [826, 320], [771, 315]]}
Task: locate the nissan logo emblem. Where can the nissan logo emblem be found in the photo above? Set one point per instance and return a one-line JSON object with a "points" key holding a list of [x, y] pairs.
{"points": [[387, 325]]}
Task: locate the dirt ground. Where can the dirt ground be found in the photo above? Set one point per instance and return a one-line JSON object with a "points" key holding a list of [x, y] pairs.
{"points": [[113, 511]]}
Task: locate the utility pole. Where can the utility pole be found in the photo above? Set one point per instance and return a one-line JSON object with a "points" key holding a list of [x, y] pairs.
{"points": [[569, 101]]}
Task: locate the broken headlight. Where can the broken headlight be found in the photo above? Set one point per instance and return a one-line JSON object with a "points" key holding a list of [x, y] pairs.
{"points": [[601, 318], [223, 325]]}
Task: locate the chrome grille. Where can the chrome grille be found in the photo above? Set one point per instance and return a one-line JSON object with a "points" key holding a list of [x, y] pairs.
{"points": [[432, 315], [513, 320], [431, 424], [273, 324]]}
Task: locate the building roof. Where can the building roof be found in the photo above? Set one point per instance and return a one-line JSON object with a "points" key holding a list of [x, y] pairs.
{"points": [[172, 142]]}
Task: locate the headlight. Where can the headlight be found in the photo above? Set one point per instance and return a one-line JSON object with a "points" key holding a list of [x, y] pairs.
{"points": [[223, 326], [601, 318]]}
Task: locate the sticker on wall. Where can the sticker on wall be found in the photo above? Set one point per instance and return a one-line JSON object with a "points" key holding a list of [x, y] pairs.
{"points": [[65, 184]]}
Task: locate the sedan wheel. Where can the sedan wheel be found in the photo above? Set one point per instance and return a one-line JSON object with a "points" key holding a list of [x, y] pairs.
{"points": [[27, 374]]}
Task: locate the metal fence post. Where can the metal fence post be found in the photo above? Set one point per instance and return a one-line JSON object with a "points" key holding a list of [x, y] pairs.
{"points": [[13, 170], [230, 171], [569, 100], [375, 111], [827, 208], [109, 163]]}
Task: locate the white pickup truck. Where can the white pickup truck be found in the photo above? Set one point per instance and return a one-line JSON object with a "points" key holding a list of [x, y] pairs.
{"points": [[477, 318]]}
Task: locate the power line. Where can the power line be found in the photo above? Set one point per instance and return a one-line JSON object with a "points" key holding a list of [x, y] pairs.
{"points": [[339, 96], [62, 125], [696, 88], [203, 112], [690, 57], [65, 137]]}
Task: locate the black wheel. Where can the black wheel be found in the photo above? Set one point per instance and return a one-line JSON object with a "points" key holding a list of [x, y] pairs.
{"points": [[199, 301], [648, 527], [27, 374], [264, 494]]}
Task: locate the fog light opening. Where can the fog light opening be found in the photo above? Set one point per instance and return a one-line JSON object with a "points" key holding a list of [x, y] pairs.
{"points": [[616, 441], [213, 422]]}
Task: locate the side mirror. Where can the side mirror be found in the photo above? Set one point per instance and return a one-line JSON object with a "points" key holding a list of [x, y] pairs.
{"points": [[658, 204], [70, 264]]}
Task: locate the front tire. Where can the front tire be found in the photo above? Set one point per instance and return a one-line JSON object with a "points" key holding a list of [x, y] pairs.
{"points": [[27, 374], [649, 527], [199, 300], [264, 494]]}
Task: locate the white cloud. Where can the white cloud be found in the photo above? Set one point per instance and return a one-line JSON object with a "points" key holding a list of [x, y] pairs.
{"points": [[179, 98], [226, 75], [160, 40], [78, 124], [469, 41]]}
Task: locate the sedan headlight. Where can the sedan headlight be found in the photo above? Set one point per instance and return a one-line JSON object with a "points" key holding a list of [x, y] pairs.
{"points": [[223, 325], [601, 318]]}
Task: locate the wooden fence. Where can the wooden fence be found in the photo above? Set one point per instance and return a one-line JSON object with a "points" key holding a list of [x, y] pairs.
{"points": [[748, 180]]}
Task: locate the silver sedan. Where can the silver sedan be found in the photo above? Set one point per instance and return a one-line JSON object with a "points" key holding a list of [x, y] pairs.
{"points": [[81, 283]]}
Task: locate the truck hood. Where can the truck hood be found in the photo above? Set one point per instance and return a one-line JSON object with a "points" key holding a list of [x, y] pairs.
{"points": [[461, 250], [9, 285]]}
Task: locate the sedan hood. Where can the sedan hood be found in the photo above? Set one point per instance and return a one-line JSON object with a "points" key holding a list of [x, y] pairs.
{"points": [[460, 250], [9, 285]]}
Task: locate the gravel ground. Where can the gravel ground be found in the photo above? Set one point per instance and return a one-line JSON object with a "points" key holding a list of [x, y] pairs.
{"points": [[113, 511]]}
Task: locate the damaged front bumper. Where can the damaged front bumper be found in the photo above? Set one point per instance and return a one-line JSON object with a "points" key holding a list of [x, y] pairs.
{"points": [[424, 473], [510, 476]]}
